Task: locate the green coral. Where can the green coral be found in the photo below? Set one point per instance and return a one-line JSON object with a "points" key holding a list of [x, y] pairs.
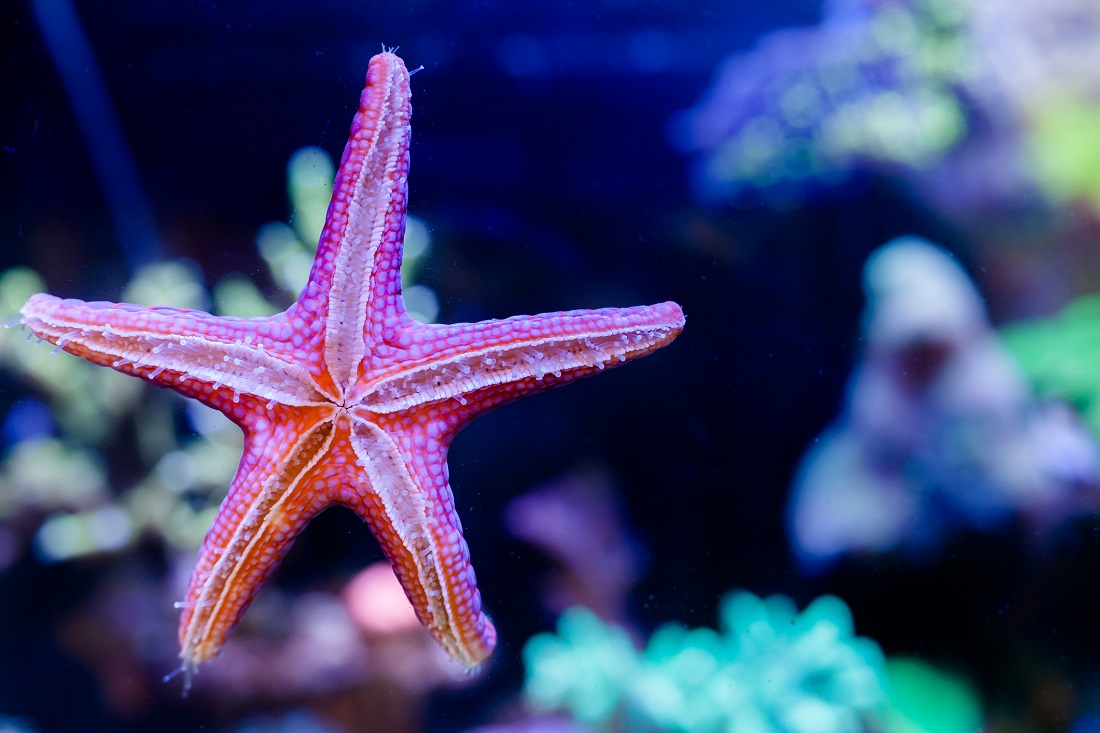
{"points": [[66, 478], [885, 89], [928, 700], [1066, 149], [1059, 355]]}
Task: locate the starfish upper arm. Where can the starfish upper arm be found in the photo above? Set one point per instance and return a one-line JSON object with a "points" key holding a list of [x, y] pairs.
{"points": [[355, 285]]}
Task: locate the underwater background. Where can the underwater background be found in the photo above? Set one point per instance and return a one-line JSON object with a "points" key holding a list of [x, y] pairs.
{"points": [[858, 493]]}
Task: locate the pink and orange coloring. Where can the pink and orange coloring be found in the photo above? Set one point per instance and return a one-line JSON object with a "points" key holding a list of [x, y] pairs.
{"points": [[344, 398]]}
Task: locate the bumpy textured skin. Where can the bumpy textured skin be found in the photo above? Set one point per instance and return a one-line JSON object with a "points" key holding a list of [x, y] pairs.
{"points": [[345, 399]]}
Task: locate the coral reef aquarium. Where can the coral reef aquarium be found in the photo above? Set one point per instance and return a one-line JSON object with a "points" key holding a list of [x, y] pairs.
{"points": [[606, 367]]}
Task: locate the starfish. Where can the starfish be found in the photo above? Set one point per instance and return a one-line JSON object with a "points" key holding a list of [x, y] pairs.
{"points": [[344, 399]]}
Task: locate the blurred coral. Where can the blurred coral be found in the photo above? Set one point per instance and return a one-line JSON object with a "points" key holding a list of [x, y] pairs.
{"points": [[377, 603], [769, 668], [925, 698], [940, 430], [976, 102], [575, 519], [1059, 354]]}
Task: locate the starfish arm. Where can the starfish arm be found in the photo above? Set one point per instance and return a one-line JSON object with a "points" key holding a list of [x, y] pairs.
{"points": [[278, 488], [505, 359], [189, 351], [409, 505], [355, 284]]}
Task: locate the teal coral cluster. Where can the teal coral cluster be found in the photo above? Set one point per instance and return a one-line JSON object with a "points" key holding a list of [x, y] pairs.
{"points": [[769, 669]]}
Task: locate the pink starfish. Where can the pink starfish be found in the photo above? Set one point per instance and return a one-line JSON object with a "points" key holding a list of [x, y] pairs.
{"points": [[345, 399]]}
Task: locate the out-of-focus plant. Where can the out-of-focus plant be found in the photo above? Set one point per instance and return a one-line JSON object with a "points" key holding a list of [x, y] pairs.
{"points": [[59, 471], [767, 669], [1060, 354], [1066, 149], [925, 699], [84, 400]]}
